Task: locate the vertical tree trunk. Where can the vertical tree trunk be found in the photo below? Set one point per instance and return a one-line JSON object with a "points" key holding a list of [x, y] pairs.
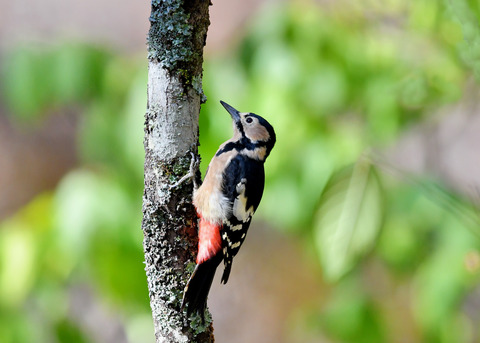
{"points": [[175, 41]]}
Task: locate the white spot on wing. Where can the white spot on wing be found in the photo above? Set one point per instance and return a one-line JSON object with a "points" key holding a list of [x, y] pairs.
{"points": [[240, 210], [237, 227], [241, 186]]}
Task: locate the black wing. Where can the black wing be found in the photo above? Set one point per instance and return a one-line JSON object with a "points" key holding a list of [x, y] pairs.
{"points": [[244, 179]]}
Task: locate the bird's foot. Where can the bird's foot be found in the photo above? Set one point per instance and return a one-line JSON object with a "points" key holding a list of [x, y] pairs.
{"points": [[192, 173]]}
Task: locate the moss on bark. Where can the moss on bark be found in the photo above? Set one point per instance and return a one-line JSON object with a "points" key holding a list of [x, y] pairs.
{"points": [[176, 40]]}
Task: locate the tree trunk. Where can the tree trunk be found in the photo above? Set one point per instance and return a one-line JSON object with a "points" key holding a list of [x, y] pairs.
{"points": [[175, 42]]}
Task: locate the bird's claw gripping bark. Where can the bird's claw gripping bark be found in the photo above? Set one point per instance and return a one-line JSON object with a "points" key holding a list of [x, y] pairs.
{"points": [[192, 173]]}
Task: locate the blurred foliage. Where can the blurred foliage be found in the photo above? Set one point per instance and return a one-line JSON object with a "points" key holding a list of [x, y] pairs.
{"points": [[348, 218], [334, 82], [87, 230]]}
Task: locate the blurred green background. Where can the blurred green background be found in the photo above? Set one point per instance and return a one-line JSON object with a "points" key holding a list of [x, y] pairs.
{"points": [[378, 237]]}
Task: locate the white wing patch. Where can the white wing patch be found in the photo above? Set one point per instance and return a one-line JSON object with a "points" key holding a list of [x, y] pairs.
{"points": [[240, 210], [237, 227]]}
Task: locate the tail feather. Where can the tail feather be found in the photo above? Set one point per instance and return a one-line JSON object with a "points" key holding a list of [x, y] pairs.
{"points": [[198, 287], [226, 271]]}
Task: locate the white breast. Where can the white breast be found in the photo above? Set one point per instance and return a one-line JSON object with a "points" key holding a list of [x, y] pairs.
{"points": [[208, 198]]}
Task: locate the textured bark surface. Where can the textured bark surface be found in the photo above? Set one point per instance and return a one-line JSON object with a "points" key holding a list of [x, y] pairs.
{"points": [[176, 39]]}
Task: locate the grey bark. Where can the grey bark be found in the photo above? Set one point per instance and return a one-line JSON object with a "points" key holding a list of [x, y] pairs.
{"points": [[176, 40]]}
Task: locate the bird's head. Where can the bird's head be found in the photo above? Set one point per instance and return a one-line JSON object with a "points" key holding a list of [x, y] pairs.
{"points": [[251, 130]]}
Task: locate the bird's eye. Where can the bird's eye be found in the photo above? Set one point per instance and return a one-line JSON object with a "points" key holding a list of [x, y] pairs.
{"points": [[249, 120]]}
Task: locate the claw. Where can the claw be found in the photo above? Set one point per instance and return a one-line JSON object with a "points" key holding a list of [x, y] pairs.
{"points": [[194, 163]]}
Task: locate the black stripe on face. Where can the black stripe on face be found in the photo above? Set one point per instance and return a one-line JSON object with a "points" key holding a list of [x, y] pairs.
{"points": [[228, 147], [240, 128], [243, 143]]}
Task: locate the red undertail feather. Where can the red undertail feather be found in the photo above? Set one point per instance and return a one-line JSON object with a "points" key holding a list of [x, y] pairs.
{"points": [[209, 240], [208, 258]]}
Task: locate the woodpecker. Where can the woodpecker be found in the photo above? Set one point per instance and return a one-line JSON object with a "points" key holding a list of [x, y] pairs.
{"points": [[226, 201]]}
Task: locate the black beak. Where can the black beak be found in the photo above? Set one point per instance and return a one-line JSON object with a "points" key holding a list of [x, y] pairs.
{"points": [[233, 112]]}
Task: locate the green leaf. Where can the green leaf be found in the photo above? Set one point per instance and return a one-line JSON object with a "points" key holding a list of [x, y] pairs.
{"points": [[17, 264], [68, 331], [27, 82], [350, 315], [348, 219]]}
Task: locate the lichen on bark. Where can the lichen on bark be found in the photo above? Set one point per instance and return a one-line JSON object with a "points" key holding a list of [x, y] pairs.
{"points": [[177, 35], [176, 39], [169, 245]]}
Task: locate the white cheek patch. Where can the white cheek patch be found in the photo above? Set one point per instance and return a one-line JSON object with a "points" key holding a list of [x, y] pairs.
{"points": [[257, 133]]}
